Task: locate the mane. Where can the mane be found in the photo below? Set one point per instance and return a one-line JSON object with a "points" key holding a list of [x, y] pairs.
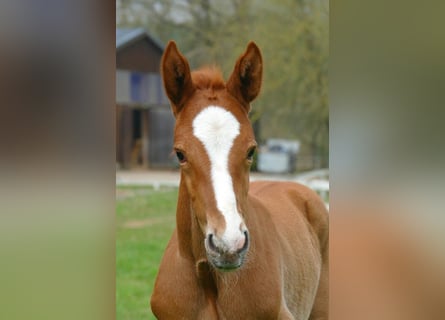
{"points": [[208, 78]]}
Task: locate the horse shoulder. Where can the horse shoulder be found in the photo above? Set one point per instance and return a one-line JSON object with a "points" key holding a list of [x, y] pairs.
{"points": [[302, 220], [280, 196], [176, 293], [317, 216]]}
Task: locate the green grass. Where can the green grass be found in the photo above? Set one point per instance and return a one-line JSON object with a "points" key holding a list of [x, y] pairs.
{"points": [[145, 220]]}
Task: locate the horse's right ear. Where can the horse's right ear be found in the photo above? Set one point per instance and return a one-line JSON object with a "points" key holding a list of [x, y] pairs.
{"points": [[245, 81], [176, 76]]}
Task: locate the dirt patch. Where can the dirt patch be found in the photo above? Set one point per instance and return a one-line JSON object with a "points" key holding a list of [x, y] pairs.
{"points": [[124, 193], [137, 224]]}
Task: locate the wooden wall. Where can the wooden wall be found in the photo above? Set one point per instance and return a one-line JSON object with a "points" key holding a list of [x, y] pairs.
{"points": [[142, 56], [144, 136]]}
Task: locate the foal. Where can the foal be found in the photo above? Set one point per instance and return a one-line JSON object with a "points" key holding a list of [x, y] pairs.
{"points": [[239, 250]]}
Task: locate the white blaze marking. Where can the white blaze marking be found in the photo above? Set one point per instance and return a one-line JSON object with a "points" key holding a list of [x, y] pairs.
{"points": [[217, 128]]}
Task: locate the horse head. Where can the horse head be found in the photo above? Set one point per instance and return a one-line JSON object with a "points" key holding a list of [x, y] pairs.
{"points": [[215, 144]]}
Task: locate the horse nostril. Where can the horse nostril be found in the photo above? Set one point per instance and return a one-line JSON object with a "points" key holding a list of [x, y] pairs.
{"points": [[212, 245], [246, 242]]}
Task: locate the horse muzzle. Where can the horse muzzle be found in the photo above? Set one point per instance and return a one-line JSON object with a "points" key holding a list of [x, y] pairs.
{"points": [[224, 257]]}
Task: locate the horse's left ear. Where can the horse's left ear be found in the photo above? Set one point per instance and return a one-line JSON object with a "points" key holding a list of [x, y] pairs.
{"points": [[245, 81], [177, 77]]}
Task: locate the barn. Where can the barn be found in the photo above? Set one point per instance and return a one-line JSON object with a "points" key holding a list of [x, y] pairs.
{"points": [[144, 123]]}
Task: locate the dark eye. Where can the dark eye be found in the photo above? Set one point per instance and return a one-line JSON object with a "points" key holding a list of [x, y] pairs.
{"points": [[181, 157], [250, 153]]}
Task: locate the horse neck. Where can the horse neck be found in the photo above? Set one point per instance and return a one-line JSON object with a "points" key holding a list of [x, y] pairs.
{"points": [[190, 236]]}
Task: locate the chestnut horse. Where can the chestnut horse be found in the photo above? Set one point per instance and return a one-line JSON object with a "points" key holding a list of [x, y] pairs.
{"points": [[239, 250]]}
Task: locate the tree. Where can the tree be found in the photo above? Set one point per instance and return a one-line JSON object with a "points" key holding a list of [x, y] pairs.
{"points": [[293, 36]]}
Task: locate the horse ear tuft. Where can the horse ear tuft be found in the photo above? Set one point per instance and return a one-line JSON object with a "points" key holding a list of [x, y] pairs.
{"points": [[176, 76], [245, 81]]}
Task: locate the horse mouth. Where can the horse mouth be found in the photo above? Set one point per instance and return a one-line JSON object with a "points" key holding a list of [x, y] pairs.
{"points": [[226, 262], [227, 267]]}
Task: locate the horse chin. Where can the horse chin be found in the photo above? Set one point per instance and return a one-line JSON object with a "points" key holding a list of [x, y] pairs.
{"points": [[227, 263]]}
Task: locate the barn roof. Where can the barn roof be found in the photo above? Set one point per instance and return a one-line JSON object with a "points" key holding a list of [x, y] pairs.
{"points": [[127, 36]]}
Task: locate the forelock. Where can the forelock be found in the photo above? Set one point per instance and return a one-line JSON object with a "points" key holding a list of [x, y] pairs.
{"points": [[208, 78]]}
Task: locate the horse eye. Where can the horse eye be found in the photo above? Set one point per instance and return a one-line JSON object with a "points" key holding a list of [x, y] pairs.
{"points": [[181, 157], [250, 153]]}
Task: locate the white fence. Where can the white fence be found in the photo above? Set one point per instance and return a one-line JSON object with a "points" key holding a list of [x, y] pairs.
{"points": [[318, 181]]}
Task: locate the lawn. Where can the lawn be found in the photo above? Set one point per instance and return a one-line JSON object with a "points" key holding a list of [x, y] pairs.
{"points": [[145, 219]]}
